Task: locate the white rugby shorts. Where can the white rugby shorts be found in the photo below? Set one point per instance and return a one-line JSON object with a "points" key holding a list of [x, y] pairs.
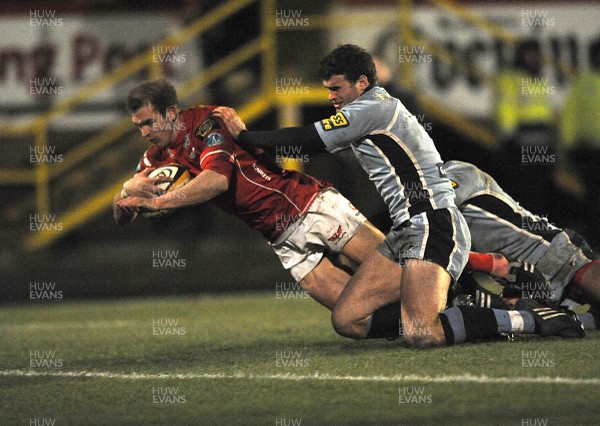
{"points": [[330, 222]]}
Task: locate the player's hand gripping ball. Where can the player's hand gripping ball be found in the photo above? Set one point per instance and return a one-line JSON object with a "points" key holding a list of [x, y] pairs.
{"points": [[179, 177]]}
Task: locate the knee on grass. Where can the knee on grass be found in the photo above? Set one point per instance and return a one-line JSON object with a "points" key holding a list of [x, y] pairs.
{"points": [[423, 342], [421, 334], [344, 326]]}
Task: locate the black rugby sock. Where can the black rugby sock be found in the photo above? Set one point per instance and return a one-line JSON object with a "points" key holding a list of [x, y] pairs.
{"points": [[468, 323], [385, 322]]}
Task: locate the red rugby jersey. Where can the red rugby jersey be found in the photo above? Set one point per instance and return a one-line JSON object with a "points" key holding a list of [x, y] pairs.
{"points": [[264, 196]]}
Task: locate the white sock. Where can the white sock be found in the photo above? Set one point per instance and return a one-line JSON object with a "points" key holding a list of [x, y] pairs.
{"points": [[514, 321]]}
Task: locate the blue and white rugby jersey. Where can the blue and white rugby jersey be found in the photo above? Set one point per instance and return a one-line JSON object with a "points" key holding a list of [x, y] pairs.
{"points": [[395, 151]]}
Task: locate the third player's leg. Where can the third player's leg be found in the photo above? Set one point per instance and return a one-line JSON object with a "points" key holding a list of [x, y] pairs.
{"points": [[590, 281]]}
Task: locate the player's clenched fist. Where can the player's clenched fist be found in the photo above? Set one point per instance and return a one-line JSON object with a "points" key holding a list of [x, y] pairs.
{"points": [[143, 186], [232, 121]]}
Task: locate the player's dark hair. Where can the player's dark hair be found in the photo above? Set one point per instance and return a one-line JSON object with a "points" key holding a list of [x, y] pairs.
{"points": [[160, 94], [350, 60]]}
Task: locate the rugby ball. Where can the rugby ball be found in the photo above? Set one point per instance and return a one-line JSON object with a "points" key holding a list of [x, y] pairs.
{"points": [[179, 175]]}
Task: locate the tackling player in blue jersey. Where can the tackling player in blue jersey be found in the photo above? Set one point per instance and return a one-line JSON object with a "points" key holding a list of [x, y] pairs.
{"points": [[429, 243]]}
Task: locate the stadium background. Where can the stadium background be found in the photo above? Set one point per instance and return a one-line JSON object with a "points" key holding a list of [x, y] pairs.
{"points": [[68, 144]]}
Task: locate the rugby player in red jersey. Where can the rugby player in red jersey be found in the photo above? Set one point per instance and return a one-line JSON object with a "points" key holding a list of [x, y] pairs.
{"points": [[312, 228]]}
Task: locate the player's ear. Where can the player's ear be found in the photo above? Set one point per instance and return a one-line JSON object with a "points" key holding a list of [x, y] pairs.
{"points": [[362, 82], [171, 113]]}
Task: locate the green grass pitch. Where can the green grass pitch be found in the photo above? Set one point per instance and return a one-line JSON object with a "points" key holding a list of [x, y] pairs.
{"points": [[254, 359]]}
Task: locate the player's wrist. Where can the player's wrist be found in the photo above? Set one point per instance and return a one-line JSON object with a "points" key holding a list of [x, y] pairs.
{"points": [[501, 265], [480, 262], [158, 203], [166, 201]]}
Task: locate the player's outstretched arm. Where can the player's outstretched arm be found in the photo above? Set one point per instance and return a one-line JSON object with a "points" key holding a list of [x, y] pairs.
{"points": [[306, 136], [204, 187]]}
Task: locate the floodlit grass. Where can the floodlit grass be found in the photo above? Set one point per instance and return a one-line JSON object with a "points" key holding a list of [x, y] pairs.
{"points": [[257, 360]]}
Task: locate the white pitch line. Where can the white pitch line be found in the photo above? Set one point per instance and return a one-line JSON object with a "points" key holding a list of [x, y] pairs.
{"points": [[464, 378], [65, 325]]}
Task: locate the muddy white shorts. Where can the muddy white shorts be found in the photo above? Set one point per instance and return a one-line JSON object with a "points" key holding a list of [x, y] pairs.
{"points": [[330, 222]]}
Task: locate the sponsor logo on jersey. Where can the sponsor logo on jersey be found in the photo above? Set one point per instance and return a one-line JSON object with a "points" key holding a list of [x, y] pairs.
{"points": [[261, 172], [214, 139], [442, 170], [382, 96], [205, 128], [338, 234], [335, 122], [454, 184]]}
